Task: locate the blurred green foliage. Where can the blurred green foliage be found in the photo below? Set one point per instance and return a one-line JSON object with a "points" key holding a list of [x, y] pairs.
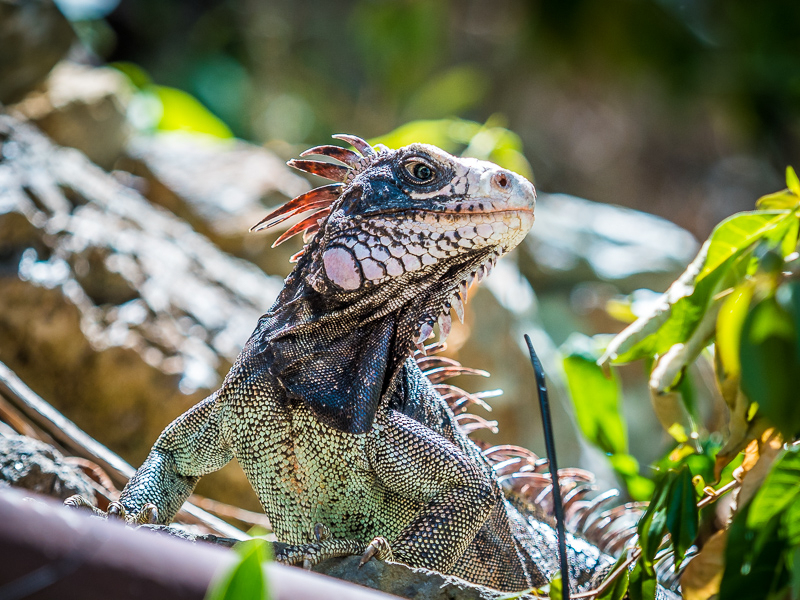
{"points": [[299, 70], [490, 141], [741, 297], [245, 579], [157, 107]]}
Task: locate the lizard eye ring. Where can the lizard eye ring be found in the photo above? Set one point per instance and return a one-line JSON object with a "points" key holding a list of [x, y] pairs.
{"points": [[419, 171]]}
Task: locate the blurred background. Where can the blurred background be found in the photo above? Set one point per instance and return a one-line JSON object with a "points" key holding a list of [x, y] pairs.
{"points": [[686, 110]]}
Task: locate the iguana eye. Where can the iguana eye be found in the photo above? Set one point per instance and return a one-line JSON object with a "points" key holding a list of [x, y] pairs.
{"points": [[419, 171]]}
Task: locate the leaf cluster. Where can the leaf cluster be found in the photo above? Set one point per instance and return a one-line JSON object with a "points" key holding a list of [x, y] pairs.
{"points": [[738, 306], [246, 578]]}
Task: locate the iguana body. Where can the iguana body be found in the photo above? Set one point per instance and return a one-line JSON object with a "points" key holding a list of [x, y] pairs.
{"points": [[326, 410]]}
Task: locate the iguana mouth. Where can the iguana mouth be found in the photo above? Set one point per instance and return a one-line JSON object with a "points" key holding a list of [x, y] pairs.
{"points": [[455, 213]]}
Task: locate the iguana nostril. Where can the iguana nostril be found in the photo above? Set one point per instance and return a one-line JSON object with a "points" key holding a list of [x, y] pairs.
{"points": [[501, 180]]}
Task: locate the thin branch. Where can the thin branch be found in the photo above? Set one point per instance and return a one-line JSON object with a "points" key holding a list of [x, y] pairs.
{"points": [[76, 441], [711, 496], [222, 509]]}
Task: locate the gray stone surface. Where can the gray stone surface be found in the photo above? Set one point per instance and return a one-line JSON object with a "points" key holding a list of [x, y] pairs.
{"points": [[576, 240], [35, 466], [84, 108], [112, 309], [220, 187], [34, 36], [400, 580]]}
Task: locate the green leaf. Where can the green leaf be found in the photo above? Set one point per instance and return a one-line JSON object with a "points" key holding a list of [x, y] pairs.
{"points": [[780, 489], [639, 488], [654, 535], [627, 467], [246, 579], [184, 112], [788, 296], [652, 525], [624, 464], [777, 201], [619, 588], [752, 572], [555, 587], [642, 584], [769, 362], [792, 182], [448, 134], [468, 138], [729, 328], [789, 243], [795, 565], [682, 514], [791, 523], [595, 396], [737, 233], [720, 264]]}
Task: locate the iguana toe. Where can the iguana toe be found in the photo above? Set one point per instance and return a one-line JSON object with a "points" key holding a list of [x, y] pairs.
{"points": [[80, 503], [321, 532], [116, 511], [146, 516], [309, 555], [378, 548]]}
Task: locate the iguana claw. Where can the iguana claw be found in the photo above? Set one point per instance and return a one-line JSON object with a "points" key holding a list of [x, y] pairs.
{"points": [[378, 548], [80, 503], [116, 511], [148, 515], [321, 532]]}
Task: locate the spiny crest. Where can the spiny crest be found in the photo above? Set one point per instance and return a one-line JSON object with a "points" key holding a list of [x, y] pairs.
{"points": [[319, 201], [524, 477]]}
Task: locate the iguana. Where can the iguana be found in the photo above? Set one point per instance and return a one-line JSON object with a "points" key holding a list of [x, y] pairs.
{"points": [[351, 449]]}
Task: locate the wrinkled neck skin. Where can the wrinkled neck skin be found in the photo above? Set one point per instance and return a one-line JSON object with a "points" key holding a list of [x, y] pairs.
{"points": [[338, 353]]}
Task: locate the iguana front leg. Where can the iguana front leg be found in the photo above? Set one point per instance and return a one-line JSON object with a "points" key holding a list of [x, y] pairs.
{"points": [[456, 495], [191, 446]]}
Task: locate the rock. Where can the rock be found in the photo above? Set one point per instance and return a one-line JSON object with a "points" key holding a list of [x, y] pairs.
{"points": [[85, 108], [403, 581], [576, 240], [185, 533], [34, 36], [35, 466], [220, 187], [114, 310], [390, 577]]}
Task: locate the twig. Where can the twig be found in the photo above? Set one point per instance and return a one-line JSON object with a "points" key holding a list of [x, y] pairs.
{"points": [[221, 509], [76, 441], [711, 496], [714, 495], [96, 472], [550, 446]]}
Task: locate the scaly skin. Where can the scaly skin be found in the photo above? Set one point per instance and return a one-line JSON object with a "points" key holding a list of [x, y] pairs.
{"points": [[326, 410]]}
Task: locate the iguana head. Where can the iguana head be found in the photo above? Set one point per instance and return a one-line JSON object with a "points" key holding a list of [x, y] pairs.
{"points": [[406, 227]]}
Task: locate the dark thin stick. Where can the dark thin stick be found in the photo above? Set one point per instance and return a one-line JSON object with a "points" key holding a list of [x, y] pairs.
{"points": [[550, 447]]}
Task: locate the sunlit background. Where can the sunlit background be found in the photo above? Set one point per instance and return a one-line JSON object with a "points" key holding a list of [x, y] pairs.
{"points": [[684, 109], [687, 110]]}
